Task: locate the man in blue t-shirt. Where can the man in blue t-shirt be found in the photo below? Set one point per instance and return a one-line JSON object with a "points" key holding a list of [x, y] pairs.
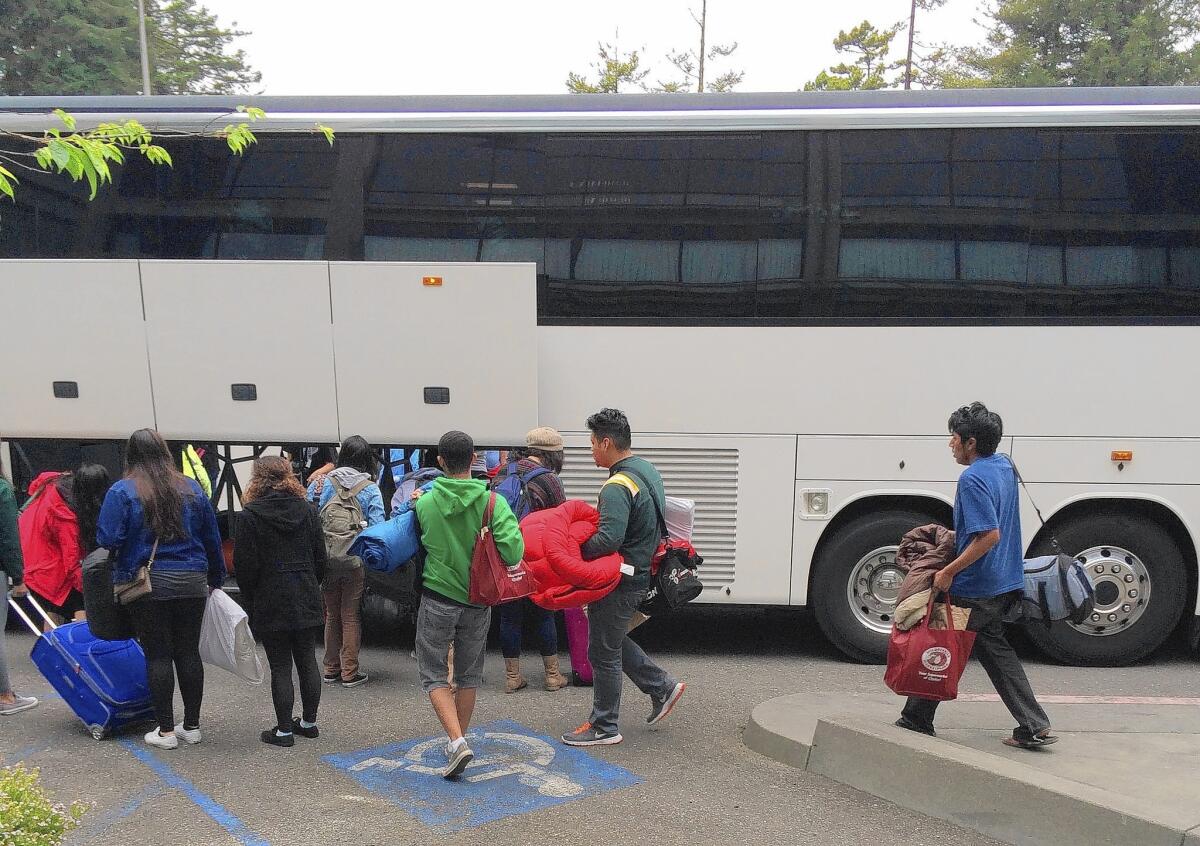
{"points": [[987, 574]]}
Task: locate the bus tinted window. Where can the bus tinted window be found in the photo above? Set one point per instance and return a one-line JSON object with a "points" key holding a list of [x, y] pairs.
{"points": [[620, 226], [990, 224], [1095, 224]]}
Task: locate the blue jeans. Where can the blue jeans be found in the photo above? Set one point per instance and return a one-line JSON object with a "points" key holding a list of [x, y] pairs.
{"points": [[610, 652], [512, 624]]}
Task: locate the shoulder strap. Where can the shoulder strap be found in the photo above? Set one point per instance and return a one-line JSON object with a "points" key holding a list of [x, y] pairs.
{"points": [[488, 510], [344, 493], [1033, 502], [533, 474], [662, 524], [25, 506]]}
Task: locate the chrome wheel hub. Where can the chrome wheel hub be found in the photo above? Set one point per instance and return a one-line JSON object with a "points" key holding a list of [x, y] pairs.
{"points": [[873, 588]]}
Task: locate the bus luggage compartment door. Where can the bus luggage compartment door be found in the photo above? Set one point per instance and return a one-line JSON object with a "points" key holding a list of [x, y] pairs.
{"points": [[241, 351], [76, 346], [425, 348]]}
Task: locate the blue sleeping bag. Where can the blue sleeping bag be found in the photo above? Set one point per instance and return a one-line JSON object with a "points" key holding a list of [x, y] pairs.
{"points": [[388, 546]]}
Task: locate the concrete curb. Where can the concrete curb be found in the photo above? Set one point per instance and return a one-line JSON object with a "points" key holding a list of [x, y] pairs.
{"points": [[1004, 799]]}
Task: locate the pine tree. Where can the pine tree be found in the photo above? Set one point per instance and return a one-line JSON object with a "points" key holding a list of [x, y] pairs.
{"points": [[191, 53], [91, 47], [1088, 42], [68, 47]]}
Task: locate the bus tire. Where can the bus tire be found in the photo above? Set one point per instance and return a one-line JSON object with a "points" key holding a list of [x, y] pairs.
{"points": [[834, 570], [1154, 557]]}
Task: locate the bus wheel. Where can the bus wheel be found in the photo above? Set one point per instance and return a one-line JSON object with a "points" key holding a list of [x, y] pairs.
{"points": [[856, 581], [1140, 578]]}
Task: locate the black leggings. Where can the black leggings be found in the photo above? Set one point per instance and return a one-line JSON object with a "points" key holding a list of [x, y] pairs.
{"points": [[169, 631], [284, 649]]}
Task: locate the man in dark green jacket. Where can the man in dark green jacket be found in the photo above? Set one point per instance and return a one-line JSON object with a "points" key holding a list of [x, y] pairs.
{"points": [[12, 566], [451, 517], [631, 502]]}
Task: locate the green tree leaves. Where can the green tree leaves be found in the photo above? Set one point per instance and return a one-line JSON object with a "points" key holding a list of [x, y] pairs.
{"points": [[191, 53], [613, 71], [869, 48], [1087, 42], [91, 47], [1038, 43], [90, 154]]}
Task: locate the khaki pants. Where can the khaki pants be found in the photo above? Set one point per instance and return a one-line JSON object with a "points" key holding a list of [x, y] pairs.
{"points": [[342, 594]]}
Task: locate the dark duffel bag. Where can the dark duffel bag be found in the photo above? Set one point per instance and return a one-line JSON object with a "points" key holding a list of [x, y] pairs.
{"points": [[107, 619]]}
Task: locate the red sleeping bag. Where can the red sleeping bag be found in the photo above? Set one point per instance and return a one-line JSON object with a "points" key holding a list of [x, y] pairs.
{"points": [[552, 557]]}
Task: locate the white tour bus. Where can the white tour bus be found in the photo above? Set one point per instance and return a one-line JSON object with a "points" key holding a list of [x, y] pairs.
{"points": [[787, 293]]}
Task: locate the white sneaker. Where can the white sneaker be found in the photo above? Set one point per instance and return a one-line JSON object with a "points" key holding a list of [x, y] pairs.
{"points": [[192, 736], [19, 704], [169, 741]]}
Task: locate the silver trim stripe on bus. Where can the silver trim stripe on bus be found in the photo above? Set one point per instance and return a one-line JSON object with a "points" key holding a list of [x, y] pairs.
{"points": [[646, 121]]}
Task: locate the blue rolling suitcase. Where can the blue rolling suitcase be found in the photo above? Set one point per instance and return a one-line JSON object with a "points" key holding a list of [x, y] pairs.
{"points": [[103, 681]]}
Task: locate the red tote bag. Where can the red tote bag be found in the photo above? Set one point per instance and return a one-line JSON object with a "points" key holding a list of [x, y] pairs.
{"points": [[928, 662], [492, 583]]}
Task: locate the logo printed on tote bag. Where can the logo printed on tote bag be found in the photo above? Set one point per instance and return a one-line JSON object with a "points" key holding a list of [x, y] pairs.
{"points": [[936, 658]]}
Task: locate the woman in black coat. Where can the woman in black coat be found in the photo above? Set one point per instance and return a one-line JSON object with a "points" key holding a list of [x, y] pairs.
{"points": [[279, 561]]}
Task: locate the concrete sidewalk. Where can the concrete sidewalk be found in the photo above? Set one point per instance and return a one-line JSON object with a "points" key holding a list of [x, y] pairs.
{"points": [[1126, 770]]}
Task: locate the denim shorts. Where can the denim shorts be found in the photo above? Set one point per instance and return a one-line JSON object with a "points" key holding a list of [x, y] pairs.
{"points": [[441, 623]]}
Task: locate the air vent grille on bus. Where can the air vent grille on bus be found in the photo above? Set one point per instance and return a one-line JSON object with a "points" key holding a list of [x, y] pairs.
{"points": [[708, 476]]}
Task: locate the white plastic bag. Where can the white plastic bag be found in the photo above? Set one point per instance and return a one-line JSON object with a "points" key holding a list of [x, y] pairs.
{"points": [[680, 517], [226, 640]]}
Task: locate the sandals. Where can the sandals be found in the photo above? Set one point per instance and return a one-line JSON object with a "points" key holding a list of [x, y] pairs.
{"points": [[1042, 738]]}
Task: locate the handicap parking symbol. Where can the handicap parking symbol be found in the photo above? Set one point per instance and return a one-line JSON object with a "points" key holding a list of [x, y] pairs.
{"points": [[515, 771]]}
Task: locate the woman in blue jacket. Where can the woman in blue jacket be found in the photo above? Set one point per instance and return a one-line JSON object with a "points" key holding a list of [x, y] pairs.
{"points": [[157, 514], [342, 588]]}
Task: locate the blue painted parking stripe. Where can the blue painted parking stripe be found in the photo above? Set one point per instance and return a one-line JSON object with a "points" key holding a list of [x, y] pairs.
{"points": [[215, 811], [25, 754], [98, 825]]}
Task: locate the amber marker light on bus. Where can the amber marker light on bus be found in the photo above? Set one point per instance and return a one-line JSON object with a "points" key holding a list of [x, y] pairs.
{"points": [[1122, 455], [431, 281]]}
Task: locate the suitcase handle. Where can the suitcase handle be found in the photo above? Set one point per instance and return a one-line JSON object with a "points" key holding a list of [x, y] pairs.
{"points": [[21, 613], [37, 606]]}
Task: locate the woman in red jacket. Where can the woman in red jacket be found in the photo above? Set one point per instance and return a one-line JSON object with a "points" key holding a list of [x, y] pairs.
{"points": [[58, 530]]}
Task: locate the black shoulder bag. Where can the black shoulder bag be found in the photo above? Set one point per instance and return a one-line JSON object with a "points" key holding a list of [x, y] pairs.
{"points": [[676, 583]]}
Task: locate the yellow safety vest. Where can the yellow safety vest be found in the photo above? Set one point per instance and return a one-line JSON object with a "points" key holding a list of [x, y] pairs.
{"points": [[194, 469]]}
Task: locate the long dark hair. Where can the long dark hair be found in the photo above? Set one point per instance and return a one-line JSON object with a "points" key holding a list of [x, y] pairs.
{"points": [[357, 453], [160, 486], [551, 460], [84, 492]]}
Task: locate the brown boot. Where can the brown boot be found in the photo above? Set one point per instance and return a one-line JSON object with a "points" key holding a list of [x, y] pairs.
{"points": [[554, 679], [513, 680]]}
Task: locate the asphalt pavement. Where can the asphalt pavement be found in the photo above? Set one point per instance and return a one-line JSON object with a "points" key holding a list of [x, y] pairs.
{"points": [[365, 781]]}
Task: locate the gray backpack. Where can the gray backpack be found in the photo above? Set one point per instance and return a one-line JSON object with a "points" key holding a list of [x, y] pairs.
{"points": [[1057, 588], [342, 519]]}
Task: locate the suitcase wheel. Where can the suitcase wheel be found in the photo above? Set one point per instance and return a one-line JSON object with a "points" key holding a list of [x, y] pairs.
{"points": [[576, 681], [98, 732]]}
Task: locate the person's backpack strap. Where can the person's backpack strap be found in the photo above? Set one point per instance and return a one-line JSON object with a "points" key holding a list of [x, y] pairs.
{"points": [[357, 489], [662, 523], [1033, 502], [36, 494], [346, 494], [1044, 604]]}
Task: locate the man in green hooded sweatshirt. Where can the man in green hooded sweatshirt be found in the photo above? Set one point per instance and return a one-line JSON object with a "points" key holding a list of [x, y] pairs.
{"points": [[451, 516]]}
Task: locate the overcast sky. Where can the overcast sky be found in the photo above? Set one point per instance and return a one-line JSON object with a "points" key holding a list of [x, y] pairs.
{"points": [[528, 46]]}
